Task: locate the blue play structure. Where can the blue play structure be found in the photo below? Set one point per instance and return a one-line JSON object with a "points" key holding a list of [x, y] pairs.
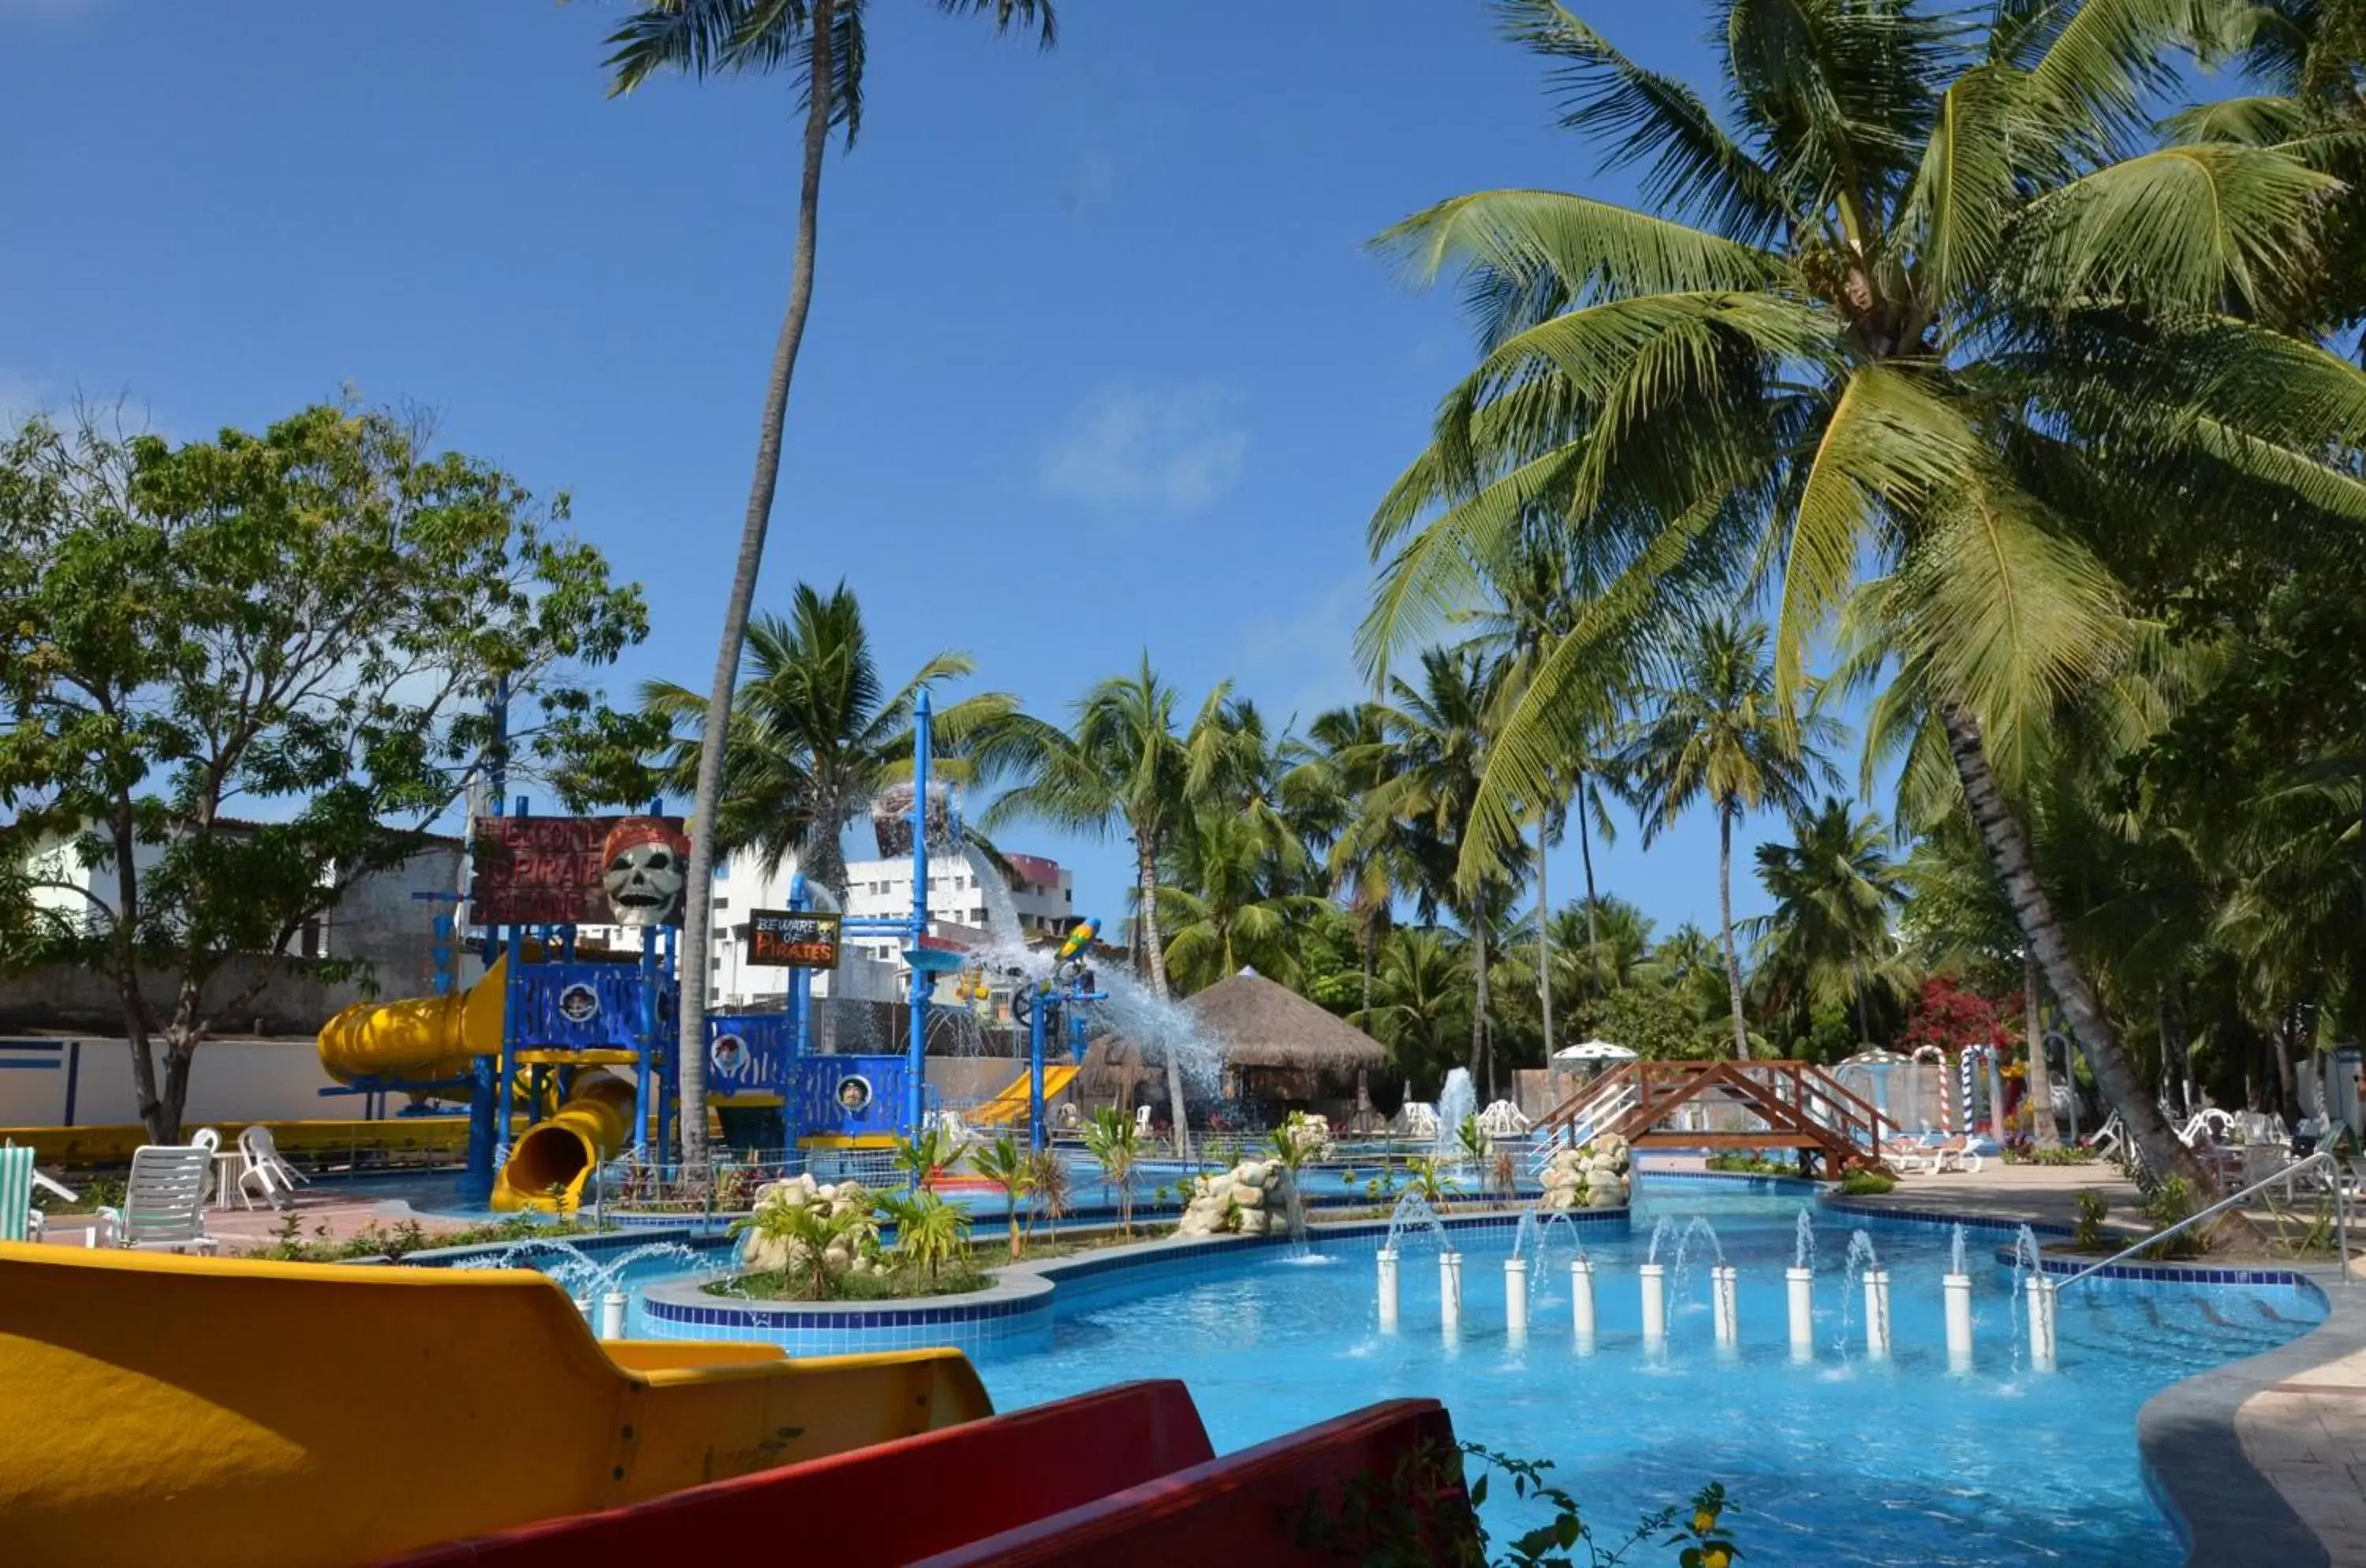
{"points": [[584, 1047]]}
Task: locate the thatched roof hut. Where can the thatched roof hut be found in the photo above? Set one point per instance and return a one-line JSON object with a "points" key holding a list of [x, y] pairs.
{"points": [[1276, 1044]]}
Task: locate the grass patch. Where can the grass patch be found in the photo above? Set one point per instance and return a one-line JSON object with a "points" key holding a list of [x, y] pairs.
{"points": [[2066, 1153], [1867, 1183], [1753, 1164]]}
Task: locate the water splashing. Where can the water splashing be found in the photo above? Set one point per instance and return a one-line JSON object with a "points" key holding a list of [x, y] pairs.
{"points": [[1457, 1103], [581, 1274], [1862, 1259], [1803, 1252], [1956, 1265], [1532, 1239], [1413, 1210], [1659, 1233], [1694, 1226], [2025, 1263]]}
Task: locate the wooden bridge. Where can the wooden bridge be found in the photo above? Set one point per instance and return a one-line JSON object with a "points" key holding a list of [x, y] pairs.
{"points": [[1796, 1104]]}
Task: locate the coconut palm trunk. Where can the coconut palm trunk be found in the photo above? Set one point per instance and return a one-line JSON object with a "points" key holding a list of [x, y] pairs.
{"points": [[1479, 1056], [1544, 948], [2041, 1077], [1146, 844], [2009, 856], [691, 1057], [1725, 915], [1593, 927]]}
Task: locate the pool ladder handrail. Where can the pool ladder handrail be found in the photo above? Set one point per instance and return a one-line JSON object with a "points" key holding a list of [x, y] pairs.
{"points": [[2341, 1198]]}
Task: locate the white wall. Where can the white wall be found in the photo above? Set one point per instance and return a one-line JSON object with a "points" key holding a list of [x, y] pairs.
{"points": [[231, 1082]]}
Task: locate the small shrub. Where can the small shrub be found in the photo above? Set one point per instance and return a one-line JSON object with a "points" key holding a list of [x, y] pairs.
{"points": [[2087, 1236], [2169, 1202], [2065, 1153], [1868, 1183]]}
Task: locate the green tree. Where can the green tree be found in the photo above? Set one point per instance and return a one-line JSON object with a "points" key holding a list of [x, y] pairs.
{"points": [[1925, 308], [816, 734], [1428, 767], [823, 44], [930, 1231], [1122, 765], [1715, 730], [1422, 999], [1367, 863], [1004, 1163], [1829, 942], [302, 624], [1114, 1138], [1222, 911]]}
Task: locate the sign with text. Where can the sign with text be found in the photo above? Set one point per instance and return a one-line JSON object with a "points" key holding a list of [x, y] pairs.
{"points": [[592, 870], [793, 939]]}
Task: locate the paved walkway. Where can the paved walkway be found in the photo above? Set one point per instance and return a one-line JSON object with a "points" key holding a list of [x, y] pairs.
{"points": [[321, 1218]]}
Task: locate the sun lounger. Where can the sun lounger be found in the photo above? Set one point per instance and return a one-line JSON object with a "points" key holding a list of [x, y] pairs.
{"points": [[164, 1200]]}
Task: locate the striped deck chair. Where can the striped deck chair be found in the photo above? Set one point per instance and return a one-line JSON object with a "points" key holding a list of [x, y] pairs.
{"points": [[19, 1221]]}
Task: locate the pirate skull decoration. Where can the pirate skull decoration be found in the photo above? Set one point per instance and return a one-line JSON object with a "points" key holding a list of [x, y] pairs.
{"points": [[643, 863]]}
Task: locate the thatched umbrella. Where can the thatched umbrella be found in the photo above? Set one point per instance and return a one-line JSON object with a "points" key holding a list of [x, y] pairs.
{"points": [[1255, 1025]]}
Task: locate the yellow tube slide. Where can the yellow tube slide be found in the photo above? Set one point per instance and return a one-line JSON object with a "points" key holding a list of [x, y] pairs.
{"points": [[211, 1413], [419, 1037], [548, 1166]]}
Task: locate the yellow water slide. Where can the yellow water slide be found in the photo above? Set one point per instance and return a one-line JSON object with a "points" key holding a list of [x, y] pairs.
{"points": [[440, 1037], [209, 1412], [1011, 1105]]}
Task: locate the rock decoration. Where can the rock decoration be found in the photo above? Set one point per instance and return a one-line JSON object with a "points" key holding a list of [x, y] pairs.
{"points": [[1251, 1199], [1310, 1134], [1591, 1176], [857, 1250]]}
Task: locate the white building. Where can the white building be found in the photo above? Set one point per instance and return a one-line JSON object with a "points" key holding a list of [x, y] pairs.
{"points": [[1041, 892]]}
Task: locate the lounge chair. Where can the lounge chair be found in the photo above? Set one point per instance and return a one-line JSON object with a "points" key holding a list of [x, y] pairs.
{"points": [[1957, 1152], [19, 1221], [261, 1167], [164, 1200]]}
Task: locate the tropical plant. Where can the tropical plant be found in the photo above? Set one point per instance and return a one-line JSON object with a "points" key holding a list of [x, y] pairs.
{"points": [[1296, 1145], [815, 735], [1114, 1138], [1715, 730], [1422, 999], [808, 1234], [1047, 1188], [1343, 753], [1428, 766], [1427, 1176], [823, 45], [930, 1231], [1471, 1142], [1004, 1163], [1122, 765], [1927, 308], [1829, 940], [923, 1157], [1224, 909]]}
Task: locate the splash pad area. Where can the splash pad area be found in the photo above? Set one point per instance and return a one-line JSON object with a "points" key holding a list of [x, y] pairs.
{"points": [[1835, 1454]]}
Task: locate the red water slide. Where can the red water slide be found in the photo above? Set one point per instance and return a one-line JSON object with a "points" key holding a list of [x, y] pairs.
{"points": [[1125, 1476]]}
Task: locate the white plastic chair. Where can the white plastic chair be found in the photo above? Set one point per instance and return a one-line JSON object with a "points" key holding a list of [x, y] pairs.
{"points": [[164, 1200], [1504, 1120], [262, 1167], [1142, 1120]]}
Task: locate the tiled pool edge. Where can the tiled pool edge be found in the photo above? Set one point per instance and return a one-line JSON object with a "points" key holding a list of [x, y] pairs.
{"points": [[2226, 1508]]}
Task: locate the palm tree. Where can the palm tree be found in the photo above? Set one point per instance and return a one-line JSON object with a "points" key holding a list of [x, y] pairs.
{"points": [[822, 43], [1005, 1164], [1714, 730], [1220, 911], [1114, 1139], [1421, 999], [1122, 764], [815, 736], [1829, 940], [1914, 306], [1428, 765], [1367, 865], [1601, 946]]}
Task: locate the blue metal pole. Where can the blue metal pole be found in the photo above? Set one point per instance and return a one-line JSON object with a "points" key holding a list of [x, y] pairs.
{"points": [[800, 986], [1035, 1139], [916, 1068], [73, 1077]]}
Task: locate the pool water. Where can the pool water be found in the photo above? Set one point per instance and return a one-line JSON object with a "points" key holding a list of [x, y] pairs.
{"points": [[1842, 1461]]}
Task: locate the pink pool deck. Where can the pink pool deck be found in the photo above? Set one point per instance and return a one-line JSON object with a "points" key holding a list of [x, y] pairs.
{"points": [[323, 1216]]}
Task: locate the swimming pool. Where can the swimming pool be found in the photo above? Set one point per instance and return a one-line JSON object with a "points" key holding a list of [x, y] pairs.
{"points": [[1844, 1460]]}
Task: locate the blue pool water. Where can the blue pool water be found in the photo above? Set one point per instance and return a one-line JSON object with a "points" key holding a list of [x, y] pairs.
{"points": [[1840, 1461]]}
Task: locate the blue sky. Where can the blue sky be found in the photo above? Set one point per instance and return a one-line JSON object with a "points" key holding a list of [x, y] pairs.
{"points": [[1099, 360]]}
